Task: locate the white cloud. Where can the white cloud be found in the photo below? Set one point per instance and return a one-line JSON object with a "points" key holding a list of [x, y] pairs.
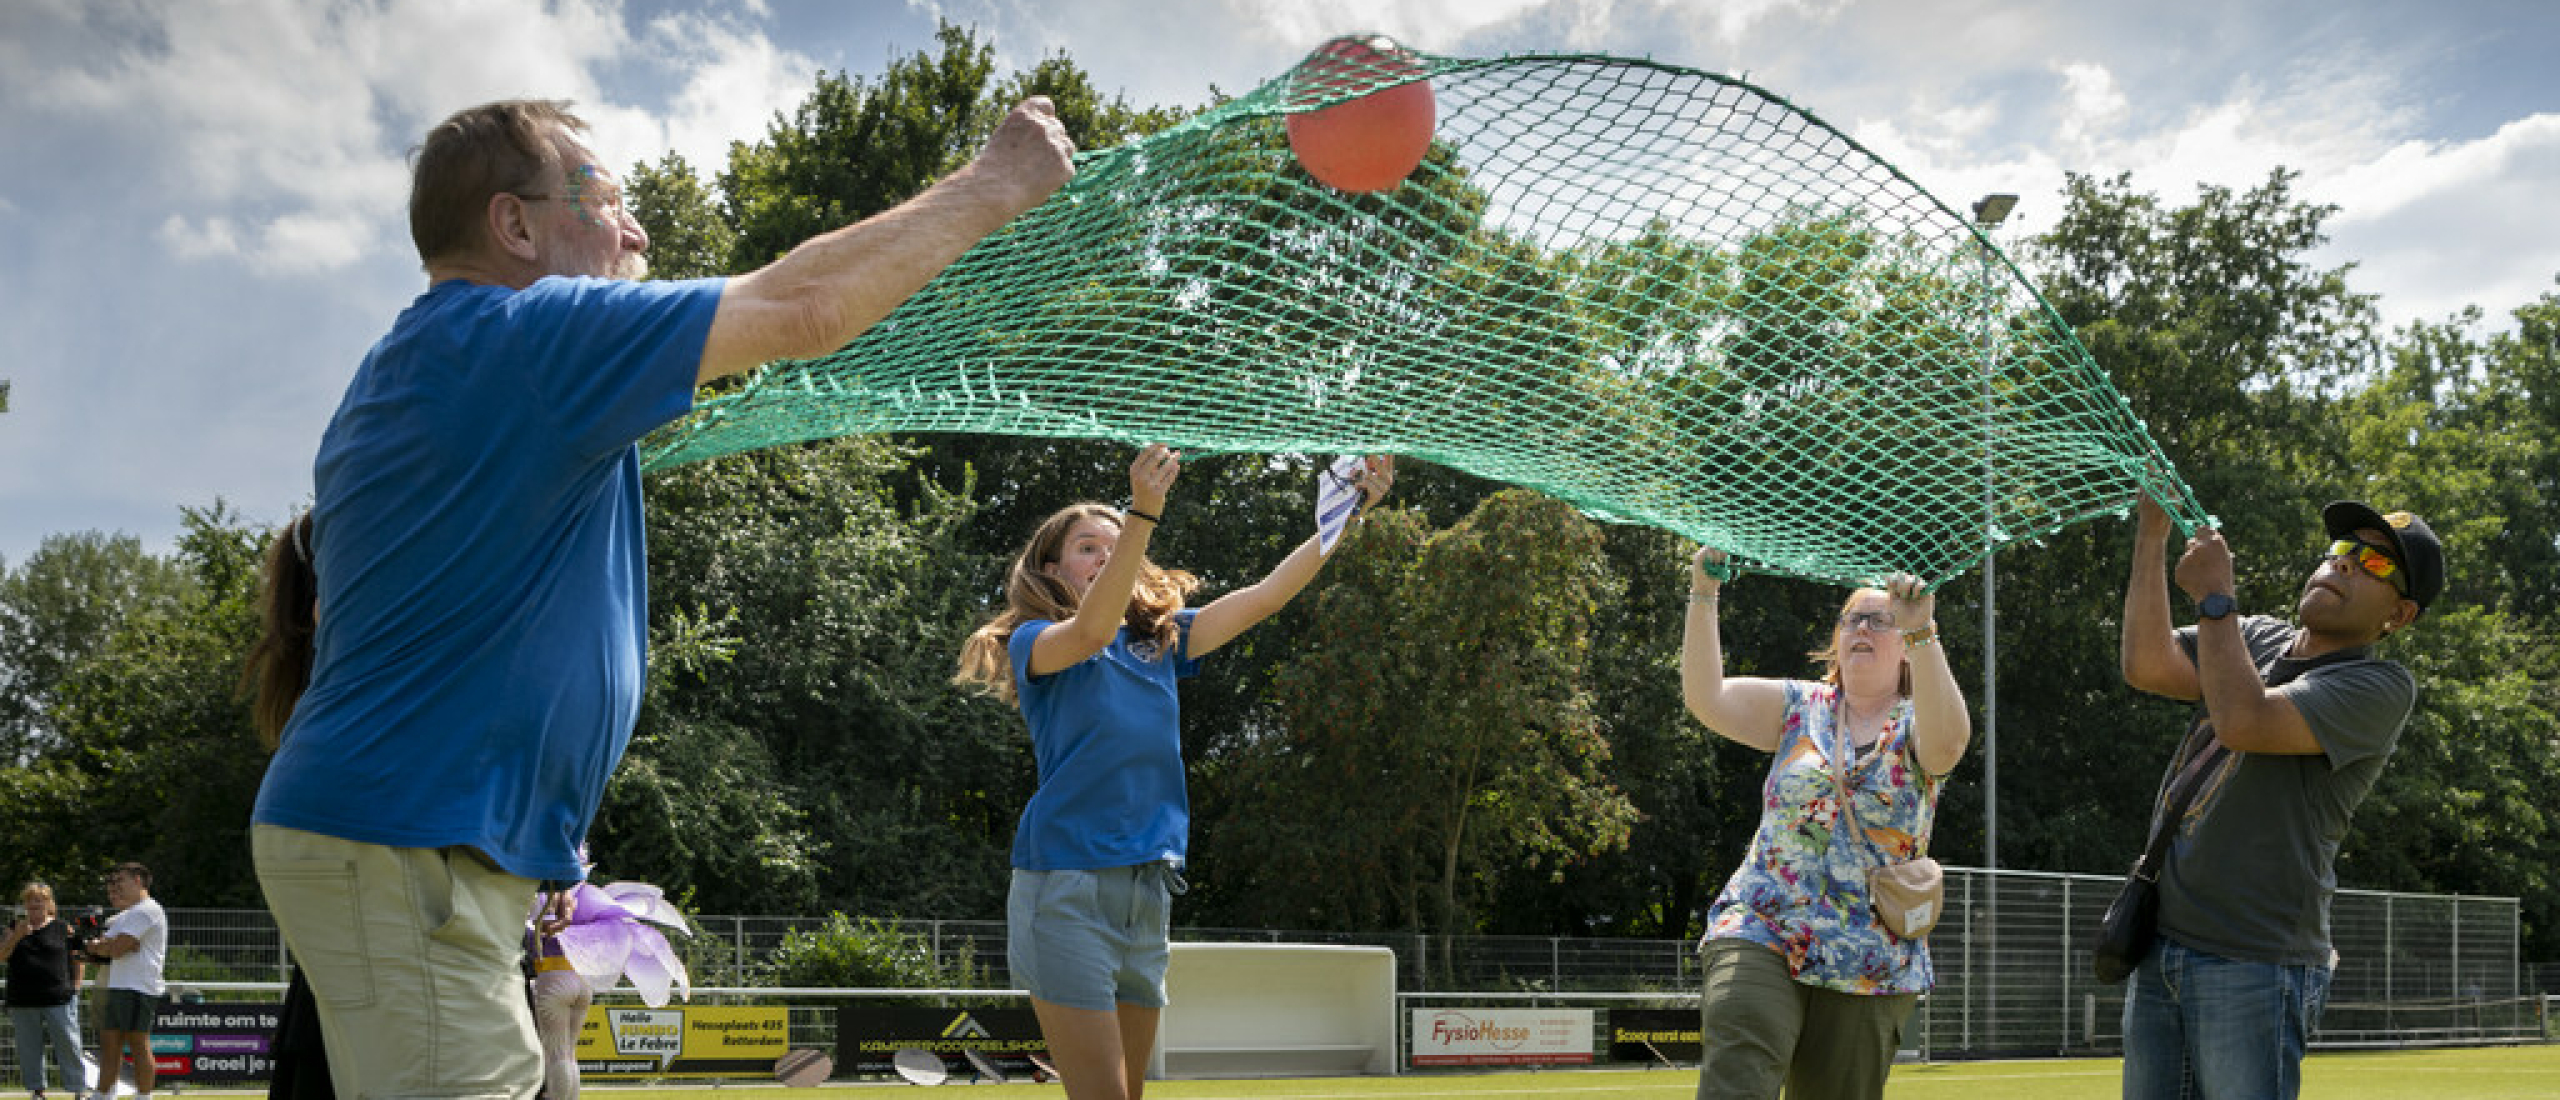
{"points": [[314, 241], [213, 238], [1421, 23], [2429, 225], [295, 115], [733, 81], [2417, 171], [2436, 226], [2091, 101], [481, 50]]}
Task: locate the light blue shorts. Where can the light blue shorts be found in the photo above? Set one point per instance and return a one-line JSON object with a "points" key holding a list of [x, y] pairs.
{"points": [[1093, 939]]}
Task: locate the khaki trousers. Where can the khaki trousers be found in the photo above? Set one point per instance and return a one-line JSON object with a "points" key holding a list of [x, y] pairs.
{"points": [[1761, 1029], [412, 955]]}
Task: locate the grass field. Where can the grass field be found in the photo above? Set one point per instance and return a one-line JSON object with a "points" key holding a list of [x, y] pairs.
{"points": [[2496, 1073]]}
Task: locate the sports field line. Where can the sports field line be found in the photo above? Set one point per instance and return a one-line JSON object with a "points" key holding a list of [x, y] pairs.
{"points": [[1547, 1087], [1647, 1088], [1907, 1073]]}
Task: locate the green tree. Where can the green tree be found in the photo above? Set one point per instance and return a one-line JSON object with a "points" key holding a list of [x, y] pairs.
{"points": [[2227, 344], [2448, 431], [688, 237], [1697, 794], [58, 608], [841, 608], [1436, 724], [2503, 392], [870, 953], [824, 761], [160, 761], [856, 147]]}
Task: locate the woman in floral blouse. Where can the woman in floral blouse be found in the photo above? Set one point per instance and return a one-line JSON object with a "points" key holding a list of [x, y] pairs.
{"points": [[1803, 986]]}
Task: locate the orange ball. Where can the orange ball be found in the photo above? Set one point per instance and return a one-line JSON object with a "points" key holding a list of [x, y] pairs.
{"points": [[1370, 143]]}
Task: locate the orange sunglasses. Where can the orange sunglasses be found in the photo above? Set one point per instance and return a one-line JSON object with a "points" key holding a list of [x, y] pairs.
{"points": [[2372, 559]]}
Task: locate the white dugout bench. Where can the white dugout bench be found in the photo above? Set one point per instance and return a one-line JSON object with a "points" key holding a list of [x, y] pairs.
{"points": [[1277, 1010]]}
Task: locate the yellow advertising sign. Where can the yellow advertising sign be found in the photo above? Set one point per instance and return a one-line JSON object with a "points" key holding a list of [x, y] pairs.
{"points": [[683, 1041]]}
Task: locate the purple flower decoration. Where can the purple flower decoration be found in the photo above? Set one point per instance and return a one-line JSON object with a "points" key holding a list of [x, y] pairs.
{"points": [[613, 934]]}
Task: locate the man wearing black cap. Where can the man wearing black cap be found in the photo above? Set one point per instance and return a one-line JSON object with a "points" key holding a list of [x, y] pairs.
{"points": [[2296, 723]]}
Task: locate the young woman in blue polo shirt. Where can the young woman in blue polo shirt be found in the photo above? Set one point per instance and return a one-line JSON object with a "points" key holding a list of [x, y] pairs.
{"points": [[1091, 640]]}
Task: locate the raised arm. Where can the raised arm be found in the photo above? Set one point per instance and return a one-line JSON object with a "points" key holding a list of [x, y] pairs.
{"points": [[1104, 604], [836, 285], [1746, 709], [2247, 716], [1941, 725], [1238, 611], [2150, 655]]}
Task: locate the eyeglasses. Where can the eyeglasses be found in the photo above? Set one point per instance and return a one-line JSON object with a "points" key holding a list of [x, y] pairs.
{"points": [[1873, 621], [610, 205], [2372, 559], [591, 191]]}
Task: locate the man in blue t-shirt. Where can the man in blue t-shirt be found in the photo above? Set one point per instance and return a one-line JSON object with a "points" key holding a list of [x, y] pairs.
{"points": [[476, 531], [2225, 1001]]}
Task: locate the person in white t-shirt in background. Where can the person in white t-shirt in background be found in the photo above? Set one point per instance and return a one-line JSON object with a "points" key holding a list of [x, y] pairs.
{"points": [[134, 947]]}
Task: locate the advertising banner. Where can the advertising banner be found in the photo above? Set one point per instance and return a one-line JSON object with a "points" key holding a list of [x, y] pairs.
{"points": [[1671, 1032], [208, 1044], [683, 1041], [1501, 1036], [868, 1037]]}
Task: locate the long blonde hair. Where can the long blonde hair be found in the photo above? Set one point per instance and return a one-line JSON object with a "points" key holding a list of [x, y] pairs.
{"points": [[986, 663]]}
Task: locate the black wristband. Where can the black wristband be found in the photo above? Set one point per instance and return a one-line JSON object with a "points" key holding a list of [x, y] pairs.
{"points": [[1147, 516]]}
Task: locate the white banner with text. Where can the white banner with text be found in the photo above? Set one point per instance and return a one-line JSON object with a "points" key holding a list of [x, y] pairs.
{"points": [[1501, 1036]]}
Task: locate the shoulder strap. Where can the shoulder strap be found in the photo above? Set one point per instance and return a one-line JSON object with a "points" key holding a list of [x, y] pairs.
{"points": [[2203, 754], [1839, 754]]}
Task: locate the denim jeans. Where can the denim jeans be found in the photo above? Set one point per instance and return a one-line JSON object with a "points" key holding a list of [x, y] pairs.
{"points": [[60, 1024], [2199, 1026]]}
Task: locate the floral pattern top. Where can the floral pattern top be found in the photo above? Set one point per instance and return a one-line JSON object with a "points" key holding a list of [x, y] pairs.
{"points": [[1804, 896]]}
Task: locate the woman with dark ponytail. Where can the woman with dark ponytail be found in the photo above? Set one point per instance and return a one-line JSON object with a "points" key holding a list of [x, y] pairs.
{"points": [[279, 664], [279, 667]]}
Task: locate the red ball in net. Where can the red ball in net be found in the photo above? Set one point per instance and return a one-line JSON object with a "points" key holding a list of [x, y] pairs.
{"points": [[1370, 143]]}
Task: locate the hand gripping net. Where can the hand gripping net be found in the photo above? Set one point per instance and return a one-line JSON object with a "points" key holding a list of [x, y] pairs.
{"points": [[1665, 296]]}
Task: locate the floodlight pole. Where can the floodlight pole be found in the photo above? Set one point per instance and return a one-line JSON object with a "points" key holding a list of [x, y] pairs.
{"points": [[1988, 212]]}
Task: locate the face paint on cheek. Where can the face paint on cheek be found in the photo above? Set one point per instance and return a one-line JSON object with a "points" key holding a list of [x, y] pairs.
{"points": [[584, 184]]}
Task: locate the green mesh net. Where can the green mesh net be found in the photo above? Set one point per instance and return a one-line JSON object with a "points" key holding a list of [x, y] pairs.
{"points": [[1665, 296]]}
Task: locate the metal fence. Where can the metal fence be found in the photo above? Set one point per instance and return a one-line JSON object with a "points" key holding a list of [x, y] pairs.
{"points": [[2011, 957], [2013, 970]]}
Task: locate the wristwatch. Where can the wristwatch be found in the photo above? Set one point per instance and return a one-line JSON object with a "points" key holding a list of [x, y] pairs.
{"points": [[2216, 606]]}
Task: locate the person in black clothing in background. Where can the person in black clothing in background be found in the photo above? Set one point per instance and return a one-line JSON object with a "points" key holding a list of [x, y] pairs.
{"points": [[46, 966]]}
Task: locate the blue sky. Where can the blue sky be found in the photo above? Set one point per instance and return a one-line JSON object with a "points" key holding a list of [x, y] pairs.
{"points": [[201, 221]]}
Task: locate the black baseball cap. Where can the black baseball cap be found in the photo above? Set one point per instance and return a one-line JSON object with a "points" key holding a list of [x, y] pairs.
{"points": [[2412, 541]]}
